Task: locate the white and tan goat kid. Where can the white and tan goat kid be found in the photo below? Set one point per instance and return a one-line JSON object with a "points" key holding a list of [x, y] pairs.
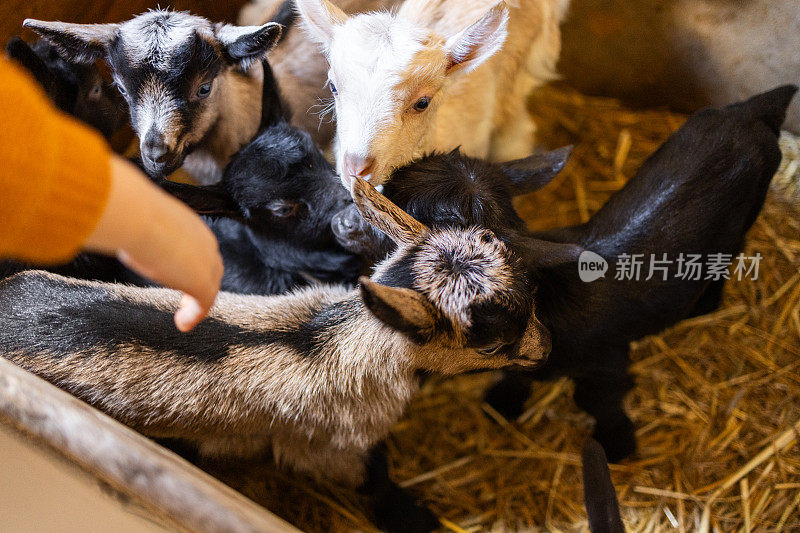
{"points": [[432, 76], [193, 87], [318, 375]]}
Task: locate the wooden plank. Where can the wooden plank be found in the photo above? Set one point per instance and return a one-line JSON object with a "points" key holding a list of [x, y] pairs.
{"points": [[152, 476]]}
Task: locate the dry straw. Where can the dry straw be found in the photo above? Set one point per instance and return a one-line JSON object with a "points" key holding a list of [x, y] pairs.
{"points": [[717, 401]]}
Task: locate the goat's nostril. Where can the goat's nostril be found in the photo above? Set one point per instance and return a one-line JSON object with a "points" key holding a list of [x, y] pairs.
{"points": [[360, 166], [154, 148]]}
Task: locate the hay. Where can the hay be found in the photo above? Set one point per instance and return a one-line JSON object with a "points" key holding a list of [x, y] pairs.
{"points": [[717, 401]]}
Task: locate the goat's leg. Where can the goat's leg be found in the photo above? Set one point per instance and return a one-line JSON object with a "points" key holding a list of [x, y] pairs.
{"points": [[601, 396], [394, 509], [508, 396]]}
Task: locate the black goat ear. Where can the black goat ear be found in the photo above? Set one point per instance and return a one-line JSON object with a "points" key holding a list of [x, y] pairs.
{"points": [[547, 254], [534, 172], [405, 310], [602, 506], [272, 108], [244, 45], [21, 52], [210, 200], [79, 43]]}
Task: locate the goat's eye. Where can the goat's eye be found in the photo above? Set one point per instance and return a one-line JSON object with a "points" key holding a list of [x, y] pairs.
{"points": [[204, 90], [122, 90], [94, 93], [283, 209], [333, 88], [422, 104], [495, 349]]}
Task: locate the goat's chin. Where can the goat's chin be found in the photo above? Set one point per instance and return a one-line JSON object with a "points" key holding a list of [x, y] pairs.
{"points": [[162, 170]]}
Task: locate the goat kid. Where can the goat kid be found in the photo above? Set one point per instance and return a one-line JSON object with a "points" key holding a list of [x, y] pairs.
{"points": [[434, 76], [188, 83], [318, 376], [698, 194], [75, 88]]}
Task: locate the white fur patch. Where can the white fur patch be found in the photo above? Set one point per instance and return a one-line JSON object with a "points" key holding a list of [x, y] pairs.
{"points": [[156, 108], [369, 56], [458, 268], [154, 36]]}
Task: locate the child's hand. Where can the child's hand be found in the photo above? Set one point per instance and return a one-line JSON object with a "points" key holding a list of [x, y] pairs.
{"points": [[161, 239]]}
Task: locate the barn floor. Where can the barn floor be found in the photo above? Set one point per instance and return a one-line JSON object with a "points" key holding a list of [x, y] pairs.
{"points": [[717, 402]]}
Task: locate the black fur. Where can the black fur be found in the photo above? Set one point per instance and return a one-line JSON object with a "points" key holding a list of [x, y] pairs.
{"points": [[75, 88], [699, 193], [602, 506], [394, 510]]}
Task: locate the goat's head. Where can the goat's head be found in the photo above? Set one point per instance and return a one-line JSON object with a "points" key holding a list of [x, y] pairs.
{"points": [[79, 89], [387, 75], [453, 190], [168, 67], [461, 295]]}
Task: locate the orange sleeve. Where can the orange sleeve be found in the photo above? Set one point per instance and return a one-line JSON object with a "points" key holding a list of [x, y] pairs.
{"points": [[55, 174]]}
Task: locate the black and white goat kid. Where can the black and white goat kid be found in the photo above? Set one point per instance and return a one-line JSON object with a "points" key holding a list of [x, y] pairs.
{"points": [[317, 376], [191, 93]]}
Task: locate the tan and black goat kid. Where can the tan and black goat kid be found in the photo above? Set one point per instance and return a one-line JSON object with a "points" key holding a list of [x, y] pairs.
{"points": [[317, 376], [192, 87]]}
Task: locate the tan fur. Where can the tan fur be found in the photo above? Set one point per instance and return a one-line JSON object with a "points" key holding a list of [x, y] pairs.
{"points": [[318, 413], [528, 59]]}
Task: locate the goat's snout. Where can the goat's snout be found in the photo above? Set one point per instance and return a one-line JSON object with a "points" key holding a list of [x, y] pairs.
{"points": [[154, 147], [356, 165], [536, 344]]}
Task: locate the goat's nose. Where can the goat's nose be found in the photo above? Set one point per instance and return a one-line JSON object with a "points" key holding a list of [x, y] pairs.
{"points": [[356, 165], [154, 147]]}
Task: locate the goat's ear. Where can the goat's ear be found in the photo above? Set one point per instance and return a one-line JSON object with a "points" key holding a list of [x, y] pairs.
{"points": [[319, 19], [272, 108], [384, 215], [405, 310], [468, 49], [540, 254], [79, 43], [21, 52], [244, 45], [211, 200], [534, 172]]}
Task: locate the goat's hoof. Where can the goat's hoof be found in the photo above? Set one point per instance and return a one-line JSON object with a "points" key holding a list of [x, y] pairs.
{"points": [[618, 441]]}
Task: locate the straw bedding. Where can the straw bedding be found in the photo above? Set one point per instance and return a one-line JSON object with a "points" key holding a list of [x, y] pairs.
{"points": [[717, 401]]}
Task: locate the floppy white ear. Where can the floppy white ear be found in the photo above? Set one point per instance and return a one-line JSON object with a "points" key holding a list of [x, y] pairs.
{"points": [[319, 19], [468, 49], [80, 43]]}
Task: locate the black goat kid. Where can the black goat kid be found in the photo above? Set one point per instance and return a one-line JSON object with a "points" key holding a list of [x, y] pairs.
{"points": [[698, 194]]}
